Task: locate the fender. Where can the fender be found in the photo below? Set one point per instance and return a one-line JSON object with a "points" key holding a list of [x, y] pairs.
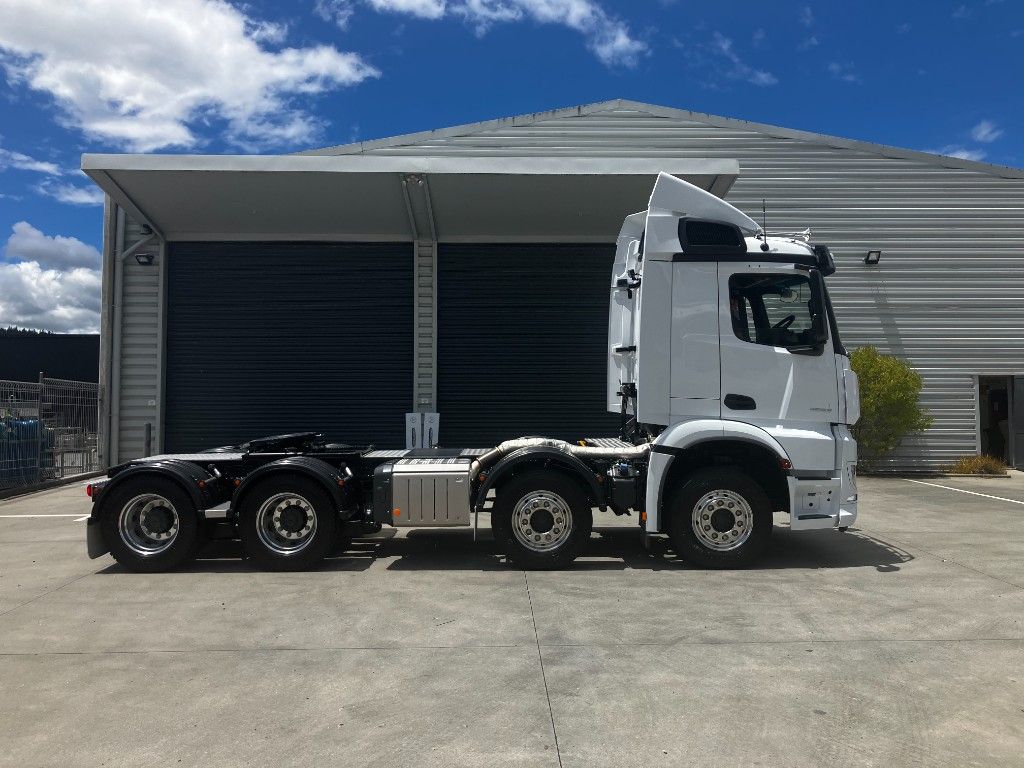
{"points": [[324, 474], [677, 438], [183, 473], [538, 455]]}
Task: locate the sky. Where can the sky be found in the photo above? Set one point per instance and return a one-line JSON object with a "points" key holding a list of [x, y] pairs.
{"points": [[265, 76]]}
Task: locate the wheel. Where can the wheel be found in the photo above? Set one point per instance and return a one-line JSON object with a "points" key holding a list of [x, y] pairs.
{"points": [[287, 523], [150, 524], [542, 520], [719, 518]]}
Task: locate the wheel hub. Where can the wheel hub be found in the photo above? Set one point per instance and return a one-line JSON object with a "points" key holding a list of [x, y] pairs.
{"points": [[541, 521], [148, 524], [722, 520], [293, 519], [157, 520], [286, 523]]}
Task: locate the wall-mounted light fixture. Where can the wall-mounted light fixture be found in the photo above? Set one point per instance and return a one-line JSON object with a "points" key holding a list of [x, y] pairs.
{"points": [[873, 257], [144, 259]]}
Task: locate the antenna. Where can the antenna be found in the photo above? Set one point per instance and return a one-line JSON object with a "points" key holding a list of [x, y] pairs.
{"points": [[764, 226]]}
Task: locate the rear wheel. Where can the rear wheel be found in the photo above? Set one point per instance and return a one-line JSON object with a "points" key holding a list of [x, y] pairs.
{"points": [[288, 523], [541, 519], [720, 518], [150, 524]]}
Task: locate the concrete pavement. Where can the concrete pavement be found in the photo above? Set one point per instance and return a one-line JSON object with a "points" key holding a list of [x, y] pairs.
{"points": [[898, 643]]}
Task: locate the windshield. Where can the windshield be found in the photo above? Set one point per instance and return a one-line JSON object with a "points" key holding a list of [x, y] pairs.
{"points": [[775, 310]]}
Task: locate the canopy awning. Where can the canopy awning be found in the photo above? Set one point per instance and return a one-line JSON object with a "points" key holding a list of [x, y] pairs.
{"points": [[374, 197]]}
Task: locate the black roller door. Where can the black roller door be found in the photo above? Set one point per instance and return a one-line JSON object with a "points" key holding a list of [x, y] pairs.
{"points": [[522, 334], [265, 338]]}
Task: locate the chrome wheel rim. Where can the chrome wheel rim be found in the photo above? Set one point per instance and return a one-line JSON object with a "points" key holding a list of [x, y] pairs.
{"points": [[542, 521], [148, 524], [286, 523], [722, 520]]}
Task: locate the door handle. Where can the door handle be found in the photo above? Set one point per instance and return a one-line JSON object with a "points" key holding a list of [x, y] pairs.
{"points": [[740, 403]]}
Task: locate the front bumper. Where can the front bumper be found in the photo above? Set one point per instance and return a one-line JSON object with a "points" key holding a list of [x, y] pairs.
{"points": [[829, 502]]}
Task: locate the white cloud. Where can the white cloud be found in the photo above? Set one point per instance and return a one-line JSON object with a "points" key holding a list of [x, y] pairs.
{"points": [[740, 70], [27, 243], [72, 194], [844, 72], [963, 153], [143, 74], [49, 283], [337, 11], [11, 159], [807, 16], [424, 9], [607, 36], [986, 132], [962, 12]]}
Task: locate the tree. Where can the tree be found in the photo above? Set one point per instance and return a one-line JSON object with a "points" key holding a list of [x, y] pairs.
{"points": [[889, 408]]}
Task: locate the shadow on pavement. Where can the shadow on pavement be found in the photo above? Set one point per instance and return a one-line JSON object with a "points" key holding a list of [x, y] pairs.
{"points": [[611, 549]]}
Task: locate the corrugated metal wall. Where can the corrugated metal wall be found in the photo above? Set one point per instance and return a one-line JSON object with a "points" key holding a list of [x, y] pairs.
{"points": [[949, 292], [137, 388]]}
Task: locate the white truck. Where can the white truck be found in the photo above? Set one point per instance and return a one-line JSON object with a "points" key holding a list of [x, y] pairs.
{"points": [[724, 361]]}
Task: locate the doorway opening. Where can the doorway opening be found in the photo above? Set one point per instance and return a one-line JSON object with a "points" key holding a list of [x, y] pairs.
{"points": [[995, 416]]}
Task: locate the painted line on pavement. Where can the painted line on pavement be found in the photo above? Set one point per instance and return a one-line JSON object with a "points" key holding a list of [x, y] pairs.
{"points": [[81, 519], [74, 515], [961, 490]]}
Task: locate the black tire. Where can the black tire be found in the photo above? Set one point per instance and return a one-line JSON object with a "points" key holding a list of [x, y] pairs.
{"points": [[269, 550], [127, 544], [566, 544], [698, 548]]}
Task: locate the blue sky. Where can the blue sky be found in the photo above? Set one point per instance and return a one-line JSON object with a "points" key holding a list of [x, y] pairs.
{"points": [[217, 77]]}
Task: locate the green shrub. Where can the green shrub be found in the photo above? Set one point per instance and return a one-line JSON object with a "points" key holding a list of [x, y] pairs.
{"points": [[889, 409], [977, 465]]}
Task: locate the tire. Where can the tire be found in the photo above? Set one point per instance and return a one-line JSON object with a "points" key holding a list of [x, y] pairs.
{"points": [[150, 524], [733, 515], [527, 515], [288, 523]]}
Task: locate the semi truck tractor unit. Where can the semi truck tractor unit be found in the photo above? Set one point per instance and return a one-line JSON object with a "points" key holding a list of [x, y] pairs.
{"points": [[724, 363]]}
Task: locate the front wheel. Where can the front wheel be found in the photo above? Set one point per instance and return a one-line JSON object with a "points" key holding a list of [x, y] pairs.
{"points": [[719, 518], [542, 520]]}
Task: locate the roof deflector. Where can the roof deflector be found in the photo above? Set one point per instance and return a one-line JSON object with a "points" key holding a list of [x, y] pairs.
{"points": [[674, 196]]}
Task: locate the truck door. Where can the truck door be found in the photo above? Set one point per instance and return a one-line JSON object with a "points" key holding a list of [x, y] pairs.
{"points": [[773, 376]]}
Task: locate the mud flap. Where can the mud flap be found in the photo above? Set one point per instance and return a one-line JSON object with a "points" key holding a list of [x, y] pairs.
{"points": [[94, 542]]}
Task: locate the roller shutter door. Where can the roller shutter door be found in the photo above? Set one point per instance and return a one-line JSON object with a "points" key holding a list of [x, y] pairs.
{"points": [[266, 338], [522, 332]]}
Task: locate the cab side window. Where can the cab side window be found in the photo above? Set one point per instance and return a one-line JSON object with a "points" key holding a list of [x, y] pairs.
{"points": [[774, 310]]}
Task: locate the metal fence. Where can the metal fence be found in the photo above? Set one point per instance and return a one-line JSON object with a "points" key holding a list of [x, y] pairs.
{"points": [[47, 430]]}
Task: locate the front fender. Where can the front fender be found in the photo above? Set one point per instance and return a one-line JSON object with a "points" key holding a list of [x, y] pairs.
{"points": [[540, 455], [677, 438]]}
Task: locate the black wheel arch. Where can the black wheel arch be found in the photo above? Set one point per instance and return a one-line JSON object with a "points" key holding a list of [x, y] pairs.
{"points": [[541, 457], [754, 459], [331, 479], [191, 478]]}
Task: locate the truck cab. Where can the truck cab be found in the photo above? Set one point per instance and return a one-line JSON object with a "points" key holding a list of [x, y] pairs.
{"points": [[725, 354]]}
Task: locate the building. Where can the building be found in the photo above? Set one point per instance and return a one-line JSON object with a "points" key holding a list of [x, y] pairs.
{"points": [[465, 270]]}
